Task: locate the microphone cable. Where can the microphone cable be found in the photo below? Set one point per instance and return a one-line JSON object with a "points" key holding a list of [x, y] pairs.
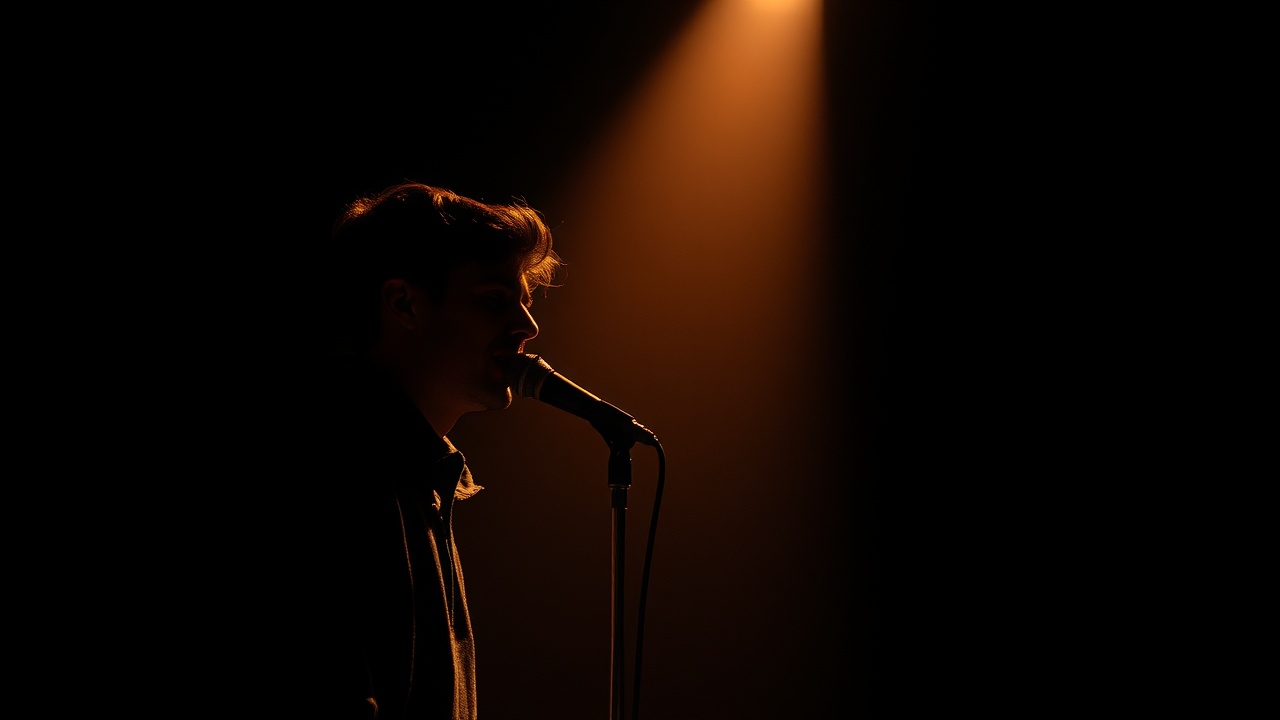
{"points": [[644, 579]]}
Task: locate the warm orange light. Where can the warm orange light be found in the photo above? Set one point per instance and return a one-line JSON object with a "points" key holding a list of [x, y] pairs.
{"points": [[697, 293], [696, 222]]}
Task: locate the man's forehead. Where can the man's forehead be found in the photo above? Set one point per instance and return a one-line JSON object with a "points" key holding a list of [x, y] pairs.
{"points": [[509, 274]]}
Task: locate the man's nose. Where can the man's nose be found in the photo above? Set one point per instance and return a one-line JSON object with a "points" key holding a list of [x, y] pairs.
{"points": [[525, 325]]}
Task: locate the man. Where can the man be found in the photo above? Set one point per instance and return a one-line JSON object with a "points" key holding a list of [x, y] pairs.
{"points": [[434, 293]]}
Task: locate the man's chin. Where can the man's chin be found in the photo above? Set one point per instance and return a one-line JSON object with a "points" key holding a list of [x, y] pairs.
{"points": [[500, 400], [506, 400]]}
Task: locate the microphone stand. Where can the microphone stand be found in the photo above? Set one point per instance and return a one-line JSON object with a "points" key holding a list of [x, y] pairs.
{"points": [[619, 483]]}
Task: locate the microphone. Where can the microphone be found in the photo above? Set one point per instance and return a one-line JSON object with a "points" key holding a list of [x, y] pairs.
{"points": [[531, 376]]}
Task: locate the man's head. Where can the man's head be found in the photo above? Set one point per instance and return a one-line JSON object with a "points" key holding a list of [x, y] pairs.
{"points": [[420, 233], [435, 286]]}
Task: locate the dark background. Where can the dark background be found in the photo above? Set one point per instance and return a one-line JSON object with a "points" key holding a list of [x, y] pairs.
{"points": [[881, 568]]}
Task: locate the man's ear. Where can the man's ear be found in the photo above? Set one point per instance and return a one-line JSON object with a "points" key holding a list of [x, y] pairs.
{"points": [[398, 297]]}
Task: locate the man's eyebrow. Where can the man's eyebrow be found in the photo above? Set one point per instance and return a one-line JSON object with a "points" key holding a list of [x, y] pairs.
{"points": [[517, 287]]}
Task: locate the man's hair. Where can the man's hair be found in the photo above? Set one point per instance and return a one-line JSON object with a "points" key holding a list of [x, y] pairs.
{"points": [[420, 233]]}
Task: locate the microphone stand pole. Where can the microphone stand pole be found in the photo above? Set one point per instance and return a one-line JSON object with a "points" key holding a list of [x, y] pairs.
{"points": [[619, 483]]}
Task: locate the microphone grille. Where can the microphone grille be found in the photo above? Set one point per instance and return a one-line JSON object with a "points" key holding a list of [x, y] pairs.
{"points": [[525, 374]]}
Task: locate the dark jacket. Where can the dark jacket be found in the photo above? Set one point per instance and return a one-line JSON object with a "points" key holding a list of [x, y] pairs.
{"points": [[392, 619]]}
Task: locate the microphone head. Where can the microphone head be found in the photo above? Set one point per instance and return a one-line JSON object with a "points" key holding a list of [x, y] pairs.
{"points": [[525, 374]]}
